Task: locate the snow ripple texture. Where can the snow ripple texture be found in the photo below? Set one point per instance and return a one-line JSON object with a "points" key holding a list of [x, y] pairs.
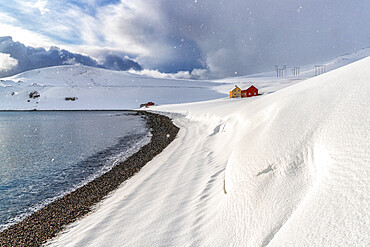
{"points": [[290, 168]]}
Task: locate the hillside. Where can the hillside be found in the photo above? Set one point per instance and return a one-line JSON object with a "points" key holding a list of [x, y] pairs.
{"points": [[106, 89], [288, 168], [96, 89]]}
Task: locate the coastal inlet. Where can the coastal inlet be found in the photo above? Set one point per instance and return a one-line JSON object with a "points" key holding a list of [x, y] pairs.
{"points": [[45, 155], [50, 220]]}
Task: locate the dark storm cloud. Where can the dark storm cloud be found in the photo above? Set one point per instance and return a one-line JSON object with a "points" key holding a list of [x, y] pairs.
{"points": [[251, 36], [242, 36], [185, 56], [220, 36], [117, 63], [29, 58]]}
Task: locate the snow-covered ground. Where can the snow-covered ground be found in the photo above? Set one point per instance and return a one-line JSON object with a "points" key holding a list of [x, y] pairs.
{"points": [[105, 89], [96, 89], [298, 172], [288, 168]]}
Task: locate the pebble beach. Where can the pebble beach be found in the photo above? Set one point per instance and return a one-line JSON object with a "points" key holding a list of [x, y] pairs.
{"points": [[46, 223]]}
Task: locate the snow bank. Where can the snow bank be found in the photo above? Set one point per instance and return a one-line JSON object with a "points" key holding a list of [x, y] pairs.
{"points": [[290, 168], [299, 167], [96, 88]]}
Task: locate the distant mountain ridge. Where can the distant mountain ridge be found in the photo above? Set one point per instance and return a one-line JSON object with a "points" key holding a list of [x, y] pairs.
{"points": [[28, 58], [97, 88]]}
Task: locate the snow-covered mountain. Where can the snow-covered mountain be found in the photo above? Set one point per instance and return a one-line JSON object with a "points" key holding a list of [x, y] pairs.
{"points": [[96, 88], [289, 168]]}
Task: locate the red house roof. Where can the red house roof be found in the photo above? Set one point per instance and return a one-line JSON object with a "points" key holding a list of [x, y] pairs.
{"points": [[252, 88]]}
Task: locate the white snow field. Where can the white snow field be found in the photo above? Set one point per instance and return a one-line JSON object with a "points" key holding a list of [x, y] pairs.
{"points": [[96, 89], [99, 89], [289, 168]]}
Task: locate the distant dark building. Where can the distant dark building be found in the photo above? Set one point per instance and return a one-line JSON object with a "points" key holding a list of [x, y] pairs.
{"points": [[147, 104]]}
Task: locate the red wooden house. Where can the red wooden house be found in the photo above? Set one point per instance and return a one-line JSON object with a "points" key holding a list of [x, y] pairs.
{"points": [[251, 91]]}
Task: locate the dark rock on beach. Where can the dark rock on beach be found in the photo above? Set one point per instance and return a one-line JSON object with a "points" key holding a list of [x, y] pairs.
{"points": [[46, 223]]}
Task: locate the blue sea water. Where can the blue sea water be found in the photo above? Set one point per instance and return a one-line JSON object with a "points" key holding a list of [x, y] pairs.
{"points": [[44, 155]]}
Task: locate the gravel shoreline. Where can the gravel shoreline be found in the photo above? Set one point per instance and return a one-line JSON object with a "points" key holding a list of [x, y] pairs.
{"points": [[46, 223]]}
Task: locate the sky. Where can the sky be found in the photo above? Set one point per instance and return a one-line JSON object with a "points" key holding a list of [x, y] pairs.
{"points": [[211, 38]]}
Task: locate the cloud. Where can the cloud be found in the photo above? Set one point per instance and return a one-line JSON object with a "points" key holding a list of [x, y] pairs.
{"points": [[28, 58], [7, 63], [41, 6], [195, 74], [222, 37], [143, 30], [242, 36], [247, 36], [25, 36], [115, 62], [135, 28]]}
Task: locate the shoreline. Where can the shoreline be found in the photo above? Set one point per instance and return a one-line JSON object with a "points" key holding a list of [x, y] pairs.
{"points": [[47, 222], [66, 110]]}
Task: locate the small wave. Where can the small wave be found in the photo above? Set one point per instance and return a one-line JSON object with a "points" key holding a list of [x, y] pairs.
{"points": [[105, 160]]}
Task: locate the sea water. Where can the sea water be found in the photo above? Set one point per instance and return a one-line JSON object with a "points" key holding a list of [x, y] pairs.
{"points": [[44, 155]]}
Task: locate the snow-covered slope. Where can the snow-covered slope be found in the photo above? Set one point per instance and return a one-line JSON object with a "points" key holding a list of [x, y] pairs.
{"points": [[96, 89], [298, 172], [106, 89], [268, 82], [290, 168]]}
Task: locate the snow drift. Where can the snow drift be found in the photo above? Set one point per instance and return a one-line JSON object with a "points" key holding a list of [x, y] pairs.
{"points": [[290, 168], [299, 171]]}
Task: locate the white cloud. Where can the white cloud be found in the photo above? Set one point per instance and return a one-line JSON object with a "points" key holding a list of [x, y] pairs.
{"points": [[194, 74], [134, 26], [244, 36], [30, 6], [7, 62], [41, 6], [25, 36], [7, 18]]}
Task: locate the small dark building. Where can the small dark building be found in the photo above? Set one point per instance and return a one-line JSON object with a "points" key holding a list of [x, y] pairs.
{"points": [[251, 91], [149, 104]]}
